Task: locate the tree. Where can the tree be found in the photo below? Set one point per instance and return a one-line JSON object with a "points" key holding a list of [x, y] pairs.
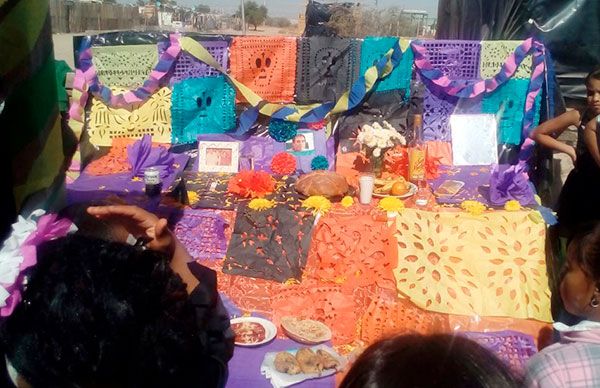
{"points": [[140, 3], [110, 2], [202, 8], [253, 13]]}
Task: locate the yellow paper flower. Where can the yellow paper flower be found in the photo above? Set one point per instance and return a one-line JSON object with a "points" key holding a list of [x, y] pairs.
{"points": [[317, 203], [347, 201], [260, 204], [391, 204], [512, 206], [193, 197], [473, 207], [291, 282]]}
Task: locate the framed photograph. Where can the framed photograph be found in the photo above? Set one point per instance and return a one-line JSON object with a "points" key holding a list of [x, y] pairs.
{"points": [[218, 156], [301, 144]]}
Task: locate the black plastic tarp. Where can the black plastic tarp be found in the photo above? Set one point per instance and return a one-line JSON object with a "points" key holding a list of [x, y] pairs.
{"points": [[318, 16], [569, 28]]}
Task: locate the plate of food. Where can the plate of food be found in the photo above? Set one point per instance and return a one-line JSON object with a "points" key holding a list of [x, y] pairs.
{"points": [[252, 331], [306, 331], [296, 365], [394, 187]]}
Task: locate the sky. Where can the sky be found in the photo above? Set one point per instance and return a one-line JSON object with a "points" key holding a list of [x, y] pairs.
{"points": [[292, 8]]}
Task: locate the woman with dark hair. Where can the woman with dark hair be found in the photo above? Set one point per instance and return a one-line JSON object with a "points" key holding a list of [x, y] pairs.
{"points": [[439, 360], [107, 314]]}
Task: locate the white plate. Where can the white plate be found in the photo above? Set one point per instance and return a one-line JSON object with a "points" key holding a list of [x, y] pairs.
{"points": [[411, 191], [296, 337], [278, 379], [270, 329]]}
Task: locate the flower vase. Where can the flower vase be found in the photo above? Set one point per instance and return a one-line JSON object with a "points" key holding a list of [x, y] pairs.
{"points": [[376, 165]]}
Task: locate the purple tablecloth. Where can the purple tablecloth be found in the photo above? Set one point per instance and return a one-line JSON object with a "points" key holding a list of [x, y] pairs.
{"points": [[88, 188], [244, 367], [477, 181]]}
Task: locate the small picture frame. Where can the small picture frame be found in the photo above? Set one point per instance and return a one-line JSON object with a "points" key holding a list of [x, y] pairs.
{"points": [[218, 156]]}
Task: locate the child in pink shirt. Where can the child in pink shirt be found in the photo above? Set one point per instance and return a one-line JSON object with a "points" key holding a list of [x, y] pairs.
{"points": [[575, 360]]}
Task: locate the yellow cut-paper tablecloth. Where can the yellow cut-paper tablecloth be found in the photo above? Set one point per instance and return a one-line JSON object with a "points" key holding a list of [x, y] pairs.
{"points": [[152, 117], [492, 264]]}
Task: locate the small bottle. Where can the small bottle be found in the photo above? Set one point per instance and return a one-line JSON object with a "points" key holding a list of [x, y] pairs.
{"points": [[416, 163], [152, 181], [423, 194], [416, 153]]}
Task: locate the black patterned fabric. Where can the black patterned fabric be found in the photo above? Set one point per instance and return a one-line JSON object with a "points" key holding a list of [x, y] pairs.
{"points": [[327, 67], [210, 191], [271, 244], [389, 106]]}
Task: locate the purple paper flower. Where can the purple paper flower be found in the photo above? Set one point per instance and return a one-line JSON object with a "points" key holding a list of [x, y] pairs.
{"points": [[142, 155], [510, 182]]}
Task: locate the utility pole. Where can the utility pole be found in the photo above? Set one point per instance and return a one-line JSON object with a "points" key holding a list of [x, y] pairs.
{"points": [[243, 19]]}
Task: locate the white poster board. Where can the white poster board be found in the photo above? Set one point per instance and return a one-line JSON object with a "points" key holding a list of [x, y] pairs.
{"points": [[474, 141]]}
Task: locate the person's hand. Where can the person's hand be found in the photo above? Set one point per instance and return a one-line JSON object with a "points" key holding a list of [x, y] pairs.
{"points": [[140, 223]]}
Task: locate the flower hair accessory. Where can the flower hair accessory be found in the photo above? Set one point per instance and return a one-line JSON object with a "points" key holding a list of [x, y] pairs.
{"points": [[19, 253]]}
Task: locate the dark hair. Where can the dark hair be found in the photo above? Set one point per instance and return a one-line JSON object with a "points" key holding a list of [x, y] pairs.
{"points": [[98, 313], [87, 225], [586, 242], [594, 74], [439, 360]]}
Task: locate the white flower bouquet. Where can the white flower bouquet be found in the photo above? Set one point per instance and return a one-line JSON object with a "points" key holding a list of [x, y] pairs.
{"points": [[376, 139]]}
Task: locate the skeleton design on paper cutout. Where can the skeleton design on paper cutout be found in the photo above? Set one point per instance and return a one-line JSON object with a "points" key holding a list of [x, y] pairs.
{"points": [[326, 60], [202, 105], [153, 117], [456, 59], [264, 66], [204, 101]]}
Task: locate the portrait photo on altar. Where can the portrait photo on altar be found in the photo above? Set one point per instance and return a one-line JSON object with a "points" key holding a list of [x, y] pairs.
{"points": [[218, 156], [301, 144]]}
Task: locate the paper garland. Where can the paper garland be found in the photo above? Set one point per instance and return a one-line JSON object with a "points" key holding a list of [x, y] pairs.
{"points": [[87, 79], [470, 89]]}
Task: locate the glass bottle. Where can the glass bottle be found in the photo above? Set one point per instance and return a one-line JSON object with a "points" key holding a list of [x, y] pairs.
{"points": [[416, 161], [152, 182], [416, 152]]}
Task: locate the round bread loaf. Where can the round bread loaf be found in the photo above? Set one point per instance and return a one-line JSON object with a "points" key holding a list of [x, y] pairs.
{"points": [[326, 183]]}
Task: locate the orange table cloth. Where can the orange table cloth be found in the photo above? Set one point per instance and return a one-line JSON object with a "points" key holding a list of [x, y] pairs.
{"points": [[358, 259]]}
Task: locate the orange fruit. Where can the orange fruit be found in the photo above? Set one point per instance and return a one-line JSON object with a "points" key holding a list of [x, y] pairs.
{"points": [[399, 188]]}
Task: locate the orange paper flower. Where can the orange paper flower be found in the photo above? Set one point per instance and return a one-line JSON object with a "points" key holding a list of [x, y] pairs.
{"points": [[432, 164], [396, 161], [283, 163], [114, 162], [251, 184]]}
